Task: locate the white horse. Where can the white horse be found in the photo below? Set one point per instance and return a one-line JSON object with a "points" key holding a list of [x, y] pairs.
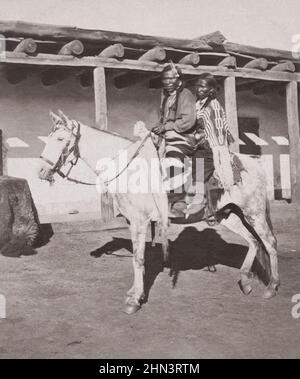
{"points": [[71, 140]]}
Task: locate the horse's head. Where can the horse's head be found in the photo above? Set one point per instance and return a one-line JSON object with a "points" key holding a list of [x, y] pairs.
{"points": [[61, 146]]}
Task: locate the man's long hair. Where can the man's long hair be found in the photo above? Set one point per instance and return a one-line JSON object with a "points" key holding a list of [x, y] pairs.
{"points": [[177, 74]]}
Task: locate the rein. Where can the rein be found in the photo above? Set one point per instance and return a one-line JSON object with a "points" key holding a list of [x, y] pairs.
{"points": [[76, 152], [132, 158]]}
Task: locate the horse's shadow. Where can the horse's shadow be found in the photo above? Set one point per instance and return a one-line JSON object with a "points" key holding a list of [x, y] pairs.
{"points": [[192, 250]]}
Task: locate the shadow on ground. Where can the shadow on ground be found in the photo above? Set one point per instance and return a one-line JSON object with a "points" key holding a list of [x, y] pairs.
{"points": [[192, 250]]}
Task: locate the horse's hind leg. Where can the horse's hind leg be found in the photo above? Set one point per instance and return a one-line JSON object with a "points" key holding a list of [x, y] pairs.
{"points": [[136, 293], [234, 224], [265, 233]]}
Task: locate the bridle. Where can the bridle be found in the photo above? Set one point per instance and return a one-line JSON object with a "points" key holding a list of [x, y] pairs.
{"points": [[66, 152], [75, 132]]}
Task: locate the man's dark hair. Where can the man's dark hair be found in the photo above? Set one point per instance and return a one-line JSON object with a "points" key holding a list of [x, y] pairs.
{"points": [[170, 67]]}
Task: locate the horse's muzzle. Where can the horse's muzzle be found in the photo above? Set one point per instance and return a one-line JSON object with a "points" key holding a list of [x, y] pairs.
{"points": [[45, 173]]}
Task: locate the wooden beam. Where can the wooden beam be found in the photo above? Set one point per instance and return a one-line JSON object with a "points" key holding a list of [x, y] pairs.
{"points": [[100, 98], [16, 74], [69, 61], [28, 46], [74, 48], [294, 138], [231, 110], [204, 43], [258, 63], [113, 51], [55, 75], [258, 52], [287, 66], [156, 54], [1, 153], [192, 59], [215, 38], [67, 33], [228, 62]]}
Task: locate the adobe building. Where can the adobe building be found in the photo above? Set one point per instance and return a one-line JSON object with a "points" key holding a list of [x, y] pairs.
{"points": [[110, 80]]}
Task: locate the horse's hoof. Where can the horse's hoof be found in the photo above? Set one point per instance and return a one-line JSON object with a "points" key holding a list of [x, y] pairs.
{"points": [[269, 293], [245, 288], [271, 290], [127, 299], [130, 309]]}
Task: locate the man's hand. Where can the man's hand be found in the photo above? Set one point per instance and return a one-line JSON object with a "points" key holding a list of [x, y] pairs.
{"points": [[158, 129]]}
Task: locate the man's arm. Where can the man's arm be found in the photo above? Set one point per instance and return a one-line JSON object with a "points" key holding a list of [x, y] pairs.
{"points": [[186, 114]]}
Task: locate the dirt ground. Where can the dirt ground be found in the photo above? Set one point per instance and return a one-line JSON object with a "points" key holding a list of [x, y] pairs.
{"points": [[66, 301]]}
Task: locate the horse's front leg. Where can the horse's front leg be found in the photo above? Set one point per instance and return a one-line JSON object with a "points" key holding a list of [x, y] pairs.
{"points": [[136, 294]]}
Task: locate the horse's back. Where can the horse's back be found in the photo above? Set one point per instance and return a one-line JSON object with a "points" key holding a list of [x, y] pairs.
{"points": [[250, 193]]}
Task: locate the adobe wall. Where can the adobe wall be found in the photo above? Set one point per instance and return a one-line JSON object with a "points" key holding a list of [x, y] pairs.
{"points": [[24, 110]]}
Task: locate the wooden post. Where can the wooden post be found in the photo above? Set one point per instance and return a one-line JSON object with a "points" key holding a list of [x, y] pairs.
{"points": [[293, 129], [1, 154], [231, 110], [100, 98]]}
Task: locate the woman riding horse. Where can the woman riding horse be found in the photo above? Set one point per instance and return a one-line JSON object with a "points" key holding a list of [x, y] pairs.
{"points": [[214, 138]]}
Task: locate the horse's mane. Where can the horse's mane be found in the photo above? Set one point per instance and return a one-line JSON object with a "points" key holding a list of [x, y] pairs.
{"points": [[107, 132]]}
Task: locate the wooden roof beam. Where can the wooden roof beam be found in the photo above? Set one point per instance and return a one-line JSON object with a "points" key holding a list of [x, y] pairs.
{"points": [[157, 54], [16, 74], [27, 46], [114, 51], [154, 67], [192, 59], [257, 64], [67, 33], [258, 52], [286, 66], [74, 48], [228, 62], [55, 75], [117, 51]]}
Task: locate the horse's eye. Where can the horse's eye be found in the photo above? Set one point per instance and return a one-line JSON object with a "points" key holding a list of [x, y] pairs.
{"points": [[60, 138]]}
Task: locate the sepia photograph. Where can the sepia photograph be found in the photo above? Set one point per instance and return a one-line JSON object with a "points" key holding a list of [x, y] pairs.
{"points": [[149, 182]]}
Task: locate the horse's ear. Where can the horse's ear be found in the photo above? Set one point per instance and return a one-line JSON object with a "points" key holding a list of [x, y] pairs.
{"points": [[63, 116], [54, 118]]}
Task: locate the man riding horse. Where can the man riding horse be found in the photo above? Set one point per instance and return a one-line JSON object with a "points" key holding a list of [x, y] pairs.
{"points": [[196, 129], [176, 124]]}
